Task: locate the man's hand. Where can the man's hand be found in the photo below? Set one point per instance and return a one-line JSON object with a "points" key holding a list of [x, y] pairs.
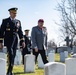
{"points": [[36, 49], [1, 45], [23, 44]]}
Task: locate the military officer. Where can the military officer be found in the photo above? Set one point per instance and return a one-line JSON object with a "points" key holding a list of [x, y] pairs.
{"points": [[27, 49], [10, 27]]}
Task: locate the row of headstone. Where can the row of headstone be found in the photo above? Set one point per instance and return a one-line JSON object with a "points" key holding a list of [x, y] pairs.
{"points": [[64, 48], [30, 66], [57, 68], [54, 68], [51, 58]]}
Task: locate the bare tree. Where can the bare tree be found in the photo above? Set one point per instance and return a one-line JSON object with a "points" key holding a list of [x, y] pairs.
{"points": [[67, 9], [52, 43]]}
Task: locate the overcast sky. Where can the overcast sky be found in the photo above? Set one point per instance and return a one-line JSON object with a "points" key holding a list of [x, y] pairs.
{"points": [[29, 11]]}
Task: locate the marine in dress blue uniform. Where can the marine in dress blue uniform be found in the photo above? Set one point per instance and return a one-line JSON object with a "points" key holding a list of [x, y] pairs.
{"points": [[10, 28]]}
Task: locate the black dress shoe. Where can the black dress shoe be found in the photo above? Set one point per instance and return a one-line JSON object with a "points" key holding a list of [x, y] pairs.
{"points": [[10, 73]]}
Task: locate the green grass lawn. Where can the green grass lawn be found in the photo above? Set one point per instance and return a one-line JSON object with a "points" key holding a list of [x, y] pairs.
{"points": [[19, 70]]}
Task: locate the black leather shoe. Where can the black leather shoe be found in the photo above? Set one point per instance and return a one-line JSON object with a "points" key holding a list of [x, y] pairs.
{"points": [[10, 73]]}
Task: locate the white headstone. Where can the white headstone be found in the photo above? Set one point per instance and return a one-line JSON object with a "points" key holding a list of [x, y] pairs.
{"points": [[29, 63], [2, 55], [73, 56], [74, 49], [62, 57], [1, 50], [70, 66], [66, 54], [69, 49], [54, 68], [51, 57], [17, 58], [50, 49], [40, 62], [5, 50], [58, 50], [2, 66]]}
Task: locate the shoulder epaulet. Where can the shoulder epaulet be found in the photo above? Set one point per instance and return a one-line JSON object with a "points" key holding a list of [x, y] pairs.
{"points": [[5, 18]]}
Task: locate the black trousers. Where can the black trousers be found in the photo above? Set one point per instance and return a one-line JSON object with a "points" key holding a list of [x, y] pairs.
{"points": [[11, 56], [24, 52], [43, 55]]}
